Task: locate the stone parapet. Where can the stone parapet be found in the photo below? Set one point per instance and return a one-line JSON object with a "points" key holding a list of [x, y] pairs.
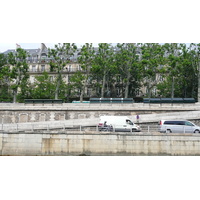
{"points": [[103, 107]]}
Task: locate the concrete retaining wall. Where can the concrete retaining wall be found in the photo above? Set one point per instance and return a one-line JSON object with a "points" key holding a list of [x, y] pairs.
{"points": [[24, 144], [22, 113]]}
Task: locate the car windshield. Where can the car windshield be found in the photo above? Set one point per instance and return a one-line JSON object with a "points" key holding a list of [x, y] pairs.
{"points": [[129, 122]]}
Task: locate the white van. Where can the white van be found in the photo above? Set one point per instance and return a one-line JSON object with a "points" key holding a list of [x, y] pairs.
{"points": [[178, 126], [117, 123]]}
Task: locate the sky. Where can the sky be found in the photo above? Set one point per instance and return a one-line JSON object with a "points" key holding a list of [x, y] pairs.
{"points": [[6, 46]]}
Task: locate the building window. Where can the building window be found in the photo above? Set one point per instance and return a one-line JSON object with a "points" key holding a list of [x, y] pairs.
{"points": [[69, 68], [35, 58], [51, 78], [79, 68], [33, 68], [42, 68], [161, 78], [137, 92], [89, 91]]}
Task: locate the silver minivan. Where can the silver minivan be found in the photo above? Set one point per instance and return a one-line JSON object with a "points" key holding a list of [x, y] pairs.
{"points": [[178, 126]]}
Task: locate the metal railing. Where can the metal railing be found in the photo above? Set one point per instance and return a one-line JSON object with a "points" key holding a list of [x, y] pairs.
{"points": [[63, 127]]}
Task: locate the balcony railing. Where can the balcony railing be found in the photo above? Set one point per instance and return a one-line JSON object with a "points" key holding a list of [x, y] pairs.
{"points": [[38, 70], [70, 71], [43, 60], [35, 61]]}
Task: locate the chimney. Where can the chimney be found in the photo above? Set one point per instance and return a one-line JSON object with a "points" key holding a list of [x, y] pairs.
{"points": [[18, 46], [43, 47]]}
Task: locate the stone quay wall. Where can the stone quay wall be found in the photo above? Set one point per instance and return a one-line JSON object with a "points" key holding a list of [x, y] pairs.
{"points": [[22, 113], [91, 144]]}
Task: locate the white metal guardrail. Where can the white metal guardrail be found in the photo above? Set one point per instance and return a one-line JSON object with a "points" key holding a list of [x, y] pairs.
{"points": [[62, 126]]}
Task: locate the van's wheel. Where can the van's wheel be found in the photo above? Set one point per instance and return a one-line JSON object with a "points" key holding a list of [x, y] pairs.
{"points": [[196, 131], [168, 131]]}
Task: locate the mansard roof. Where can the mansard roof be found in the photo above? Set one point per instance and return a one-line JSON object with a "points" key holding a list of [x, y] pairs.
{"points": [[29, 51]]}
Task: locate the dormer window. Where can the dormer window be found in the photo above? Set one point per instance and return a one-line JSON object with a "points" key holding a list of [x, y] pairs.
{"points": [[43, 56]]}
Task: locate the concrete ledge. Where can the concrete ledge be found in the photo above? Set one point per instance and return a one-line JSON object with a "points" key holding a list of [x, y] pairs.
{"points": [[102, 107]]}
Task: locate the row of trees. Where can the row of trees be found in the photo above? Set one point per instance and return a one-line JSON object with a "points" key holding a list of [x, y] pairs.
{"points": [[172, 69]]}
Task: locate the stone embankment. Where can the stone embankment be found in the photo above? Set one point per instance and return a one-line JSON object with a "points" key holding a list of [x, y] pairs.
{"points": [[93, 144], [30, 130]]}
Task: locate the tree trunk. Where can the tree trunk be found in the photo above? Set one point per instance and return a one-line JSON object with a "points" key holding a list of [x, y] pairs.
{"points": [[14, 95], [81, 96], [149, 91], [58, 86], [103, 85], [83, 91], [127, 85], [84, 86], [57, 90]]}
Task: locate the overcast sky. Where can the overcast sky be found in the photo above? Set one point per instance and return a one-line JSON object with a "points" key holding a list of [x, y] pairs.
{"points": [[6, 46]]}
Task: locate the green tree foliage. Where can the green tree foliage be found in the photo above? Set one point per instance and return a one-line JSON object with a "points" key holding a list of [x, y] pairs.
{"points": [[180, 71], [76, 82], [61, 56], [18, 70], [44, 88], [127, 62], [104, 62], [25, 91], [172, 69], [194, 51], [5, 94], [151, 63], [86, 60]]}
